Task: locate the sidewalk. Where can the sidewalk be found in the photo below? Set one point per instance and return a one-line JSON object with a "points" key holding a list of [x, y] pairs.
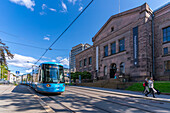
{"points": [[161, 97], [14, 99]]}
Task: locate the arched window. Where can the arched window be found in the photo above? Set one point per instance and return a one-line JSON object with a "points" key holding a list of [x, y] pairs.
{"points": [[105, 70], [122, 68]]}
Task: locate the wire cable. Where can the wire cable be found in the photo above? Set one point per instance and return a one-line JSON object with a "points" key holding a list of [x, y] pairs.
{"points": [[31, 45], [63, 32]]}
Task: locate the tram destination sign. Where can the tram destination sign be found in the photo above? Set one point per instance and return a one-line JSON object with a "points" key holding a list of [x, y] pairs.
{"points": [[135, 45]]}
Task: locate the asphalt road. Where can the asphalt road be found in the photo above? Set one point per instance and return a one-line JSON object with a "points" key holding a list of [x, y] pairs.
{"points": [[14, 99]]}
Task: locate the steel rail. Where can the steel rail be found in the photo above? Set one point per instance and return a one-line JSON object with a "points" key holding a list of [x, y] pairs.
{"points": [[72, 111], [123, 104], [133, 101]]}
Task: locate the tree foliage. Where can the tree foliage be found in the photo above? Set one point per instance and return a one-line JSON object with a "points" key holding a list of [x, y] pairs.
{"points": [[4, 71], [5, 49], [84, 75]]}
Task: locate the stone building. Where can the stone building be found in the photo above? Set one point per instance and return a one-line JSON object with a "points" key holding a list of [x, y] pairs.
{"points": [[84, 60], [129, 43], [162, 42], [75, 50]]}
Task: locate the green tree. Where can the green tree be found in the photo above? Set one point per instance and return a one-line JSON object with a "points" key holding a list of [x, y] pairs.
{"points": [[84, 75], [29, 76], [4, 71], [4, 49]]}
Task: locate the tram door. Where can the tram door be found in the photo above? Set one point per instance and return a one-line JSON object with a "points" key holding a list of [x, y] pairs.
{"points": [[113, 70]]}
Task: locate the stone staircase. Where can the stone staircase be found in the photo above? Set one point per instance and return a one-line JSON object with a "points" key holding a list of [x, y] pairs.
{"points": [[109, 83]]}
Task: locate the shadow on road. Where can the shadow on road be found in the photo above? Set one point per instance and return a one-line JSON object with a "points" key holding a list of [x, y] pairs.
{"points": [[19, 100]]}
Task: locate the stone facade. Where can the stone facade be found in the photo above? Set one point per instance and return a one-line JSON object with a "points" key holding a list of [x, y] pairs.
{"points": [[75, 50], [84, 61], [161, 21], [123, 46]]}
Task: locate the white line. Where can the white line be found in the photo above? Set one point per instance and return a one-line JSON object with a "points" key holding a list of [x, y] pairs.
{"points": [[47, 108]]}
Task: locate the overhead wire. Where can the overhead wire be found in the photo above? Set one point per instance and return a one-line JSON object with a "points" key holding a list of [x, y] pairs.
{"points": [[32, 46], [64, 31]]}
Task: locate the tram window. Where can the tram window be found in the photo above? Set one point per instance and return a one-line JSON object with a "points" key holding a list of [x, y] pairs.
{"points": [[39, 74]]}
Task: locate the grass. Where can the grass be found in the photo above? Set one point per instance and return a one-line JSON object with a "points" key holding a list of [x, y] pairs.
{"points": [[68, 84], [162, 86]]}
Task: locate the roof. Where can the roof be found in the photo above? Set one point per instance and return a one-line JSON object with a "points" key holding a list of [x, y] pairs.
{"points": [[51, 63], [162, 6], [145, 5], [84, 50]]}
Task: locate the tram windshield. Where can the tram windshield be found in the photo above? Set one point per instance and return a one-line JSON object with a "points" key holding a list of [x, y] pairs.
{"points": [[52, 73]]}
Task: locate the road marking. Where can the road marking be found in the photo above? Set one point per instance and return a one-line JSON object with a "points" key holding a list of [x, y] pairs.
{"points": [[47, 108]]}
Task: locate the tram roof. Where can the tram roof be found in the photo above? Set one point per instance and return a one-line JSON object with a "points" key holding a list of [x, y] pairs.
{"points": [[51, 63]]}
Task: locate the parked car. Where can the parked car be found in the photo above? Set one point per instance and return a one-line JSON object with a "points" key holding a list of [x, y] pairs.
{"points": [[2, 81]]}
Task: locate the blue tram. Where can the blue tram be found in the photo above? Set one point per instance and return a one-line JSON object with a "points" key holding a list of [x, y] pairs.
{"points": [[48, 77]]}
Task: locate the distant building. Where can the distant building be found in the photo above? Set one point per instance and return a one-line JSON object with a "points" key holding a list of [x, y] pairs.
{"points": [[12, 78], [75, 50], [84, 61], [66, 76], [133, 44]]}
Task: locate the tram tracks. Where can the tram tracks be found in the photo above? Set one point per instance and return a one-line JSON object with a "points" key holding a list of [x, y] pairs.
{"points": [[84, 97], [120, 103], [128, 100], [81, 101], [69, 109]]}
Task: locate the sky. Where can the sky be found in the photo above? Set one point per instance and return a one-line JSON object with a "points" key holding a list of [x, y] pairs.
{"points": [[39, 22]]}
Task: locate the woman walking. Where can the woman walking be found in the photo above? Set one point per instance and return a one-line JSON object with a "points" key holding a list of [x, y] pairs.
{"points": [[145, 85], [151, 87]]}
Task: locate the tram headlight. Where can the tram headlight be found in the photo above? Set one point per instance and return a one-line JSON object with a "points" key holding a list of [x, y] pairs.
{"points": [[48, 85]]}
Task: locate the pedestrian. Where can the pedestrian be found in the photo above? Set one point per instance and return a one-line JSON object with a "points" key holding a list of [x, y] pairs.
{"points": [[145, 85], [151, 87]]}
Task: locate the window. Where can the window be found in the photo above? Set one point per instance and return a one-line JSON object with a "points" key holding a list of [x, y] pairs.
{"points": [[105, 70], [121, 45], [84, 62], [113, 48], [122, 68], [165, 50], [167, 65], [106, 51], [90, 60], [80, 64], [166, 34], [112, 29]]}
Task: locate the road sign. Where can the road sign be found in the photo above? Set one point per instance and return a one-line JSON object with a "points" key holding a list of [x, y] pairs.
{"points": [[17, 72]]}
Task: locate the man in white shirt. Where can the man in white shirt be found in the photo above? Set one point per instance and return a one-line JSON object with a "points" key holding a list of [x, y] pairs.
{"points": [[150, 82]]}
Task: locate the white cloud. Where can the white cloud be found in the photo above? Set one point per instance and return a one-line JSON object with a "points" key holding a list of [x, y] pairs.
{"points": [[42, 13], [81, 8], [63, 61], [53, 61], [53, 9], [46, 38], [44, 6], [28, 71], [59, 58], [21, 61], [64, 7], [27, 3], [72, 1]]}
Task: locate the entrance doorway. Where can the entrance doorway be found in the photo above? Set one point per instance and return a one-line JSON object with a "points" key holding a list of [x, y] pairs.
{"points": [[113, 70]]}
